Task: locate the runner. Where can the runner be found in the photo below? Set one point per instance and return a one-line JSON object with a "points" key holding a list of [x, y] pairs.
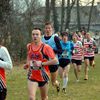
{"points": [[5, 63], [54, 41], [77, 56], [37, 62], [89, 46], [64, 59]]}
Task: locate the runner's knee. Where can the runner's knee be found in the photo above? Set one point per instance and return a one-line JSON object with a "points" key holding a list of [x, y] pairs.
{"points": [[32, 97], [45, 98]]}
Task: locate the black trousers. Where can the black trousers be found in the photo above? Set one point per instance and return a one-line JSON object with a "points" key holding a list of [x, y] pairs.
{"points": [[3, 94]]}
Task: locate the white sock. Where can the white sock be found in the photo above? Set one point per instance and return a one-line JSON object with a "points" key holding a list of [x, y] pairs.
{"points": [[65, 81]]}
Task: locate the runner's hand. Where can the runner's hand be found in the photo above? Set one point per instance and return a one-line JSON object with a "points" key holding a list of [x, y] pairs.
{"points": [[26, 66], [37, 63]]}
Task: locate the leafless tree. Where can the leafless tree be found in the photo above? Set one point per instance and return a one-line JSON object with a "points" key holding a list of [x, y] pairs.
{"points": [[90, 15], [68, 14], [47, 10], [62, 14], [78, 15], [55, 15]]}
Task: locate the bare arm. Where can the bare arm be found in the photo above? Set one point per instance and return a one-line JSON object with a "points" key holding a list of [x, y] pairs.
{"points": [[5, 61]]}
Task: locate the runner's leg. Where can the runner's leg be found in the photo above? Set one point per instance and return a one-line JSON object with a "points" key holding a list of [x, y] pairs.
{"points": [[32, 88], [44, 92]]}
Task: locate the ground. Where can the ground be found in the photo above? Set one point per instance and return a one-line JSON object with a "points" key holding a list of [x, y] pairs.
{"points": [[83, 90]]}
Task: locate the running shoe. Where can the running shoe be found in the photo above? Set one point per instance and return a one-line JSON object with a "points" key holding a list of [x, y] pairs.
{"points": [[58, 88], [86, 77], [64, 90]]}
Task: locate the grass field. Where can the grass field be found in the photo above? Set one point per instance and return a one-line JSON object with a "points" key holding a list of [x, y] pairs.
{"points": [[83, 90]]}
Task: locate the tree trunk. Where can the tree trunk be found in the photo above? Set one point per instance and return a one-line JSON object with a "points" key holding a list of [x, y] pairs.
{"points": [[68, 14], [55, 16], [62, 15], [47, 11], [90, 15], [78, 16]]}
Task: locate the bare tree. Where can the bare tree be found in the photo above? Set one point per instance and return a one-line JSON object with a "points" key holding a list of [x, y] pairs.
{"points": [[78, 16], [90, 15], [5, 9], [47, 10], [29, 14], [68, 14], [55, 15], [62, 14], [20, 25]]}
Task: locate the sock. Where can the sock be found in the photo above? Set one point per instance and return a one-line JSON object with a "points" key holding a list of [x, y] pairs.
{"points": [[65, 81]]}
